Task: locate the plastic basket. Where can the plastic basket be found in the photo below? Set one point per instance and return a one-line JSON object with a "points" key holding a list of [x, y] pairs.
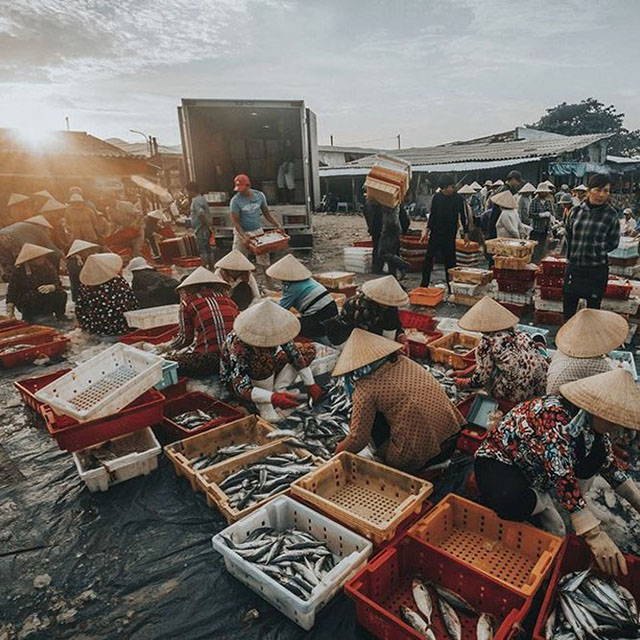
{"points": [[553, 266], [528, 274], [623, 262], [15, 334], [350, 549], [517, 308], [248, 430], [509, 262], [545, 304], [417, 320], [52, 348], [510, 247], [512, 286], [363, 244], [366, 496], [27, 387], [467, 247], [618, 290], [576, 556], [193, 401], [551, 293], [470, 275], [419, 348], [141, 460], [517, 555], [169, 375], [543, 280], [209, 478], [177, 389], [426, 296], [464, 300], [413, 242], [626, 359], [514, 297], [154, 317], [72, 435], [385, 584], [10, 323], [155, 335], [467, 289], [441, 350], [280, 244], [104, 384], [335, 279]]}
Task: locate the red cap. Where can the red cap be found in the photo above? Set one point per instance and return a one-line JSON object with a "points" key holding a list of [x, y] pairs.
{"points": [[241, 181]]}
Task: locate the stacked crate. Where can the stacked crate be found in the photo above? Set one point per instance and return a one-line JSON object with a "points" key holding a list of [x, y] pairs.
{"points": [[548, 298], [388, 180], [623, 261], [469, 284], [468, 254], [413, 250]]}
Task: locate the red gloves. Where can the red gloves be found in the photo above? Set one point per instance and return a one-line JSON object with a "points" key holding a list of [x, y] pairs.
{"points": [[340, 447], [284, 400], [462, 383], [315, 391]]}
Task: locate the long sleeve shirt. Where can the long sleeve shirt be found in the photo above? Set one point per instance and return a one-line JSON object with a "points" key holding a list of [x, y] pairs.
{"points": [[447, 212], [307, 296], [25, 280], [101, 309], [545, 438], [523, 209], [509, 225], [540, 212], [592, 232]]}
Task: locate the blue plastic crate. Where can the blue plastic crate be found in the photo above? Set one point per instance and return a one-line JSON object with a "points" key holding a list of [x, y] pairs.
{"points": [[169, 375]]}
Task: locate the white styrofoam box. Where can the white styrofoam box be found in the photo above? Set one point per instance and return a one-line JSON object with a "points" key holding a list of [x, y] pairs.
{"points": [[547, 305], [325, 360], [626, 361], [103, 384], [627, 272], [142, 460], [533, 330], [629, 306], [468, 289], [349, 549], [153, 317], [449, 325], [515, 298]]}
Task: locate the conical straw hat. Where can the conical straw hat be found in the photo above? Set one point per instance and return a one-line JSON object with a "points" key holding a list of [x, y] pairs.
{"points": [[138, 264], [550, 184], [592, 332], [16, 198], [527, 188], [266, 324], [52, 205], [487, 315], [505, 200], [498, 183], [466, 190], [100, 268], [580, 187], [201, 275], [41, 221], [31, 251], [44, 194], [288, 269], [613, 396], [386, 291], [543, 187], [363, 348], [475, 185], [235, 261], [80, 245]]}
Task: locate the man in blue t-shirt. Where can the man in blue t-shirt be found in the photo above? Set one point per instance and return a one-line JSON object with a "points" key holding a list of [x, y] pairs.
{"points": [[247, 206], [201, 223]]}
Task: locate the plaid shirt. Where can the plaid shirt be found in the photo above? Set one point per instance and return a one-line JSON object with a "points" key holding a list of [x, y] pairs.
{"points": [[206, 318], [537, 207], [592, 232]]}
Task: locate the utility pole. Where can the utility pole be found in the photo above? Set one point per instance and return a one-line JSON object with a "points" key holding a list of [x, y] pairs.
{"points": [[67, 121], [399, 145], [331, 140]]}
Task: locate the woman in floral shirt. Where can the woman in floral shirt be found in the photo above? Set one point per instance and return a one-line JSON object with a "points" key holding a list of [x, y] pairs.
{"points": [[104, 296], [509, 364], [552, 448]]}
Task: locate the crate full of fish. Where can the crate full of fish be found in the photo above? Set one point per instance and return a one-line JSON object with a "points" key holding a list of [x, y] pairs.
{"points": [[212, 448], [510, 247], [154, 317], [514, 554], [117, 460], [368, 497], [193, 413], [411, 590], [268, 242], [456, 350], [418, 342], [16, 355], [245, 483], [581, 602], [27, 387], [292, 556]]}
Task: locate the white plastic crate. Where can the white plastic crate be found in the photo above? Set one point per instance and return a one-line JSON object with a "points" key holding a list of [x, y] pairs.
{"points": [[547, 305], [153, 317], [468, 289], [629, 306], [325, 360], [350, 550], [104, 384], [515, 298], [358, 259], [625, 359], [140, 461]]}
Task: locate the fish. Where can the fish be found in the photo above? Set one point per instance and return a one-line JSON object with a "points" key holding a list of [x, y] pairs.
{"points": [[456, 601], [194, 419], [415, 621], [422, 599], [450, 619], [485, 627]]}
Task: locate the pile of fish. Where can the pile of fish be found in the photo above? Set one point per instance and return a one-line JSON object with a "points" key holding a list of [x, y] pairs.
{"points": [[592, 607], [264, 478], [294, 558], [460, 349], [449, 604], [319, 429], [266, 238], [194, 419], [446, 378], [224, 453]]}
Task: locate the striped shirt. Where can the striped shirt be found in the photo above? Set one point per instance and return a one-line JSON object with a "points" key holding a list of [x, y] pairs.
{"points": [[305, 296], [537, 207]]}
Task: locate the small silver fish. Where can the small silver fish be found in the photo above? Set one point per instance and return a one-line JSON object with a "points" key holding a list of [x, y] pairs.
{"points": [[414, 621], [484, 628], [450, 619]]}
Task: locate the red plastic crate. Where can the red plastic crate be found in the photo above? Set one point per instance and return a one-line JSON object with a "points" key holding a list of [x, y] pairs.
{"points": [[164, 269], [465, 406], [51, 349], [155, 335], [417, 320], [413, 242], [543, 280], [177, 389], [363, 243], [553, 266], [515, 275], [72, 435], [188, 263], [618, 289], [549, 318], [576, 556], [513, 286], [27, 387], [384, 585], [11, 323], [190, 402], [551, 293], [517, 308], [421, 349]]}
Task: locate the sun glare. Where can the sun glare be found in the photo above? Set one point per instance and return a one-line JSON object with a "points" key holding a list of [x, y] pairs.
{"points": [[34, 136]]}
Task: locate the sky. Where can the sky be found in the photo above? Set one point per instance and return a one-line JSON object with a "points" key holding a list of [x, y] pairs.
{"points": [[432, 71]]}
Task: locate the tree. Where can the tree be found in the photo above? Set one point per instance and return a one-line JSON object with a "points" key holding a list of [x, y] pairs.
{"points": [[591, 116]]}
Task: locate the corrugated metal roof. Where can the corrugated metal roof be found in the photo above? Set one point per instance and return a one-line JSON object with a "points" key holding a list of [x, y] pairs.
{"points": [[623, 159], [485, 152], [69, 143]]}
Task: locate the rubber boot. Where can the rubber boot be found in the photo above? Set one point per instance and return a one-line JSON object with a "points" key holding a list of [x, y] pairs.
{"points": [[550, 518], [266, 409]]}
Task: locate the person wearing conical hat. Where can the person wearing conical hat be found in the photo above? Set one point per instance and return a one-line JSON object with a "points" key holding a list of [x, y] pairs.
{"points": [[508, 223], [546, 451], [53, 212], [510, 365], [541, 216], [82, 220], [104, 296], [236, 269], [78, 252], [524, 202], [206, 318], [374, 308], [583, 344], [19, 207], [511, 186], [579, 194], [260, 361], [300, 291], [34, 287], [396, 403], [152, 288]]}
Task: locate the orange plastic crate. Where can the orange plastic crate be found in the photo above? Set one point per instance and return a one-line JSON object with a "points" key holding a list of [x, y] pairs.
{"points": [[515, 554], [426, 296]]}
